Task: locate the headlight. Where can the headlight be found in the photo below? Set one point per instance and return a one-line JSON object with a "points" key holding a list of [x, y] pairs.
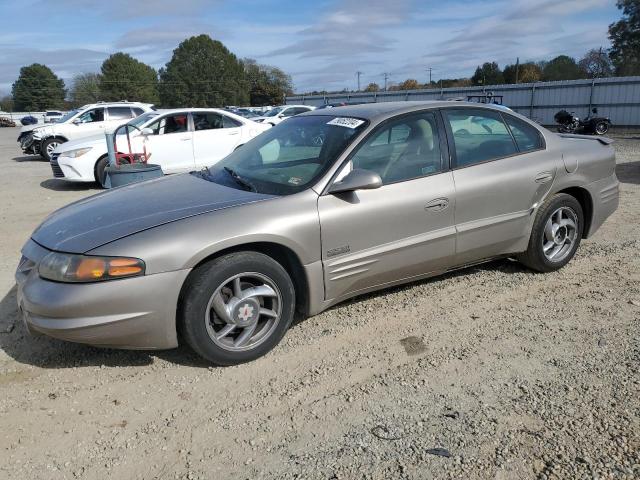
{"points": [[69, 268], [78, 152]]}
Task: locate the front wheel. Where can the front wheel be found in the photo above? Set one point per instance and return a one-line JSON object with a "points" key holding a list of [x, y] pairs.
{"points": [[47, 147], [237, 307], [99, 171], [556, 234]]}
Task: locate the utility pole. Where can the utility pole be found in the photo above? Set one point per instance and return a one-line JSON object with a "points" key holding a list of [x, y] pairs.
{"points": [[386, 77], [429, 69], [517, 68], [358, 73]]}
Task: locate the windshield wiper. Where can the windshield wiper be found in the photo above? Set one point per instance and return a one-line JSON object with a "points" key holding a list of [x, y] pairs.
{"points": [[239, 180]]}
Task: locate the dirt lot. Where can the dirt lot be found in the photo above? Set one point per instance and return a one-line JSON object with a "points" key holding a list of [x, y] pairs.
{"points": [[506, 373]]}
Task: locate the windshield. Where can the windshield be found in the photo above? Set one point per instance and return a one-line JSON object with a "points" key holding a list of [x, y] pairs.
{"points": [[138, 121], [273, 112], [68, 115], [289, 157]]}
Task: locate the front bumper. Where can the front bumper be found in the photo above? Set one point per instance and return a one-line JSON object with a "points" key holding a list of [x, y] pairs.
{"points": [[133, 313], [29, 144]]}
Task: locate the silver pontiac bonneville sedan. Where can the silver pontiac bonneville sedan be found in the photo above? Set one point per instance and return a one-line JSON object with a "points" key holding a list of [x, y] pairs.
{"points": [[325, 206]]}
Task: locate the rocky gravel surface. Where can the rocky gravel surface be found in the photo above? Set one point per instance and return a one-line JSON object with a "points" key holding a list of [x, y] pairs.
{"points": [[489, 372]]}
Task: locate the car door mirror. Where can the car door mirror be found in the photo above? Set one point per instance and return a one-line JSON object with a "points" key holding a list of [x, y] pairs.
{"points": [[357, 179], [77, 121], [147, 131]]}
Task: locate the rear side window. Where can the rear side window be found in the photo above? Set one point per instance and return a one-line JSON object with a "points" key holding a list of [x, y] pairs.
{"points": [[119, 113], [479, 136], [228, 122], [527, 137], [137, 111]]}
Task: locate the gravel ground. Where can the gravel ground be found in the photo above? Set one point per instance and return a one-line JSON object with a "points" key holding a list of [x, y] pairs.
{"points": [[490, 372]]}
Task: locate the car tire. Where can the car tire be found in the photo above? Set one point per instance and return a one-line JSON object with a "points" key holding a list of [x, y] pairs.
{"points": [[556, 234], [47, 145], [221, 314], [99, 170]]}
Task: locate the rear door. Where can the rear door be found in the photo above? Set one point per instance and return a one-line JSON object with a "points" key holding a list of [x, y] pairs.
{"points": [[502, 172], [402, 230], [215, 136], [117, 116], [171, 144]]}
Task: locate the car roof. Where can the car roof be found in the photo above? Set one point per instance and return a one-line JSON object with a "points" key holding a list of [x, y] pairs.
{"points": [[381, 110]]}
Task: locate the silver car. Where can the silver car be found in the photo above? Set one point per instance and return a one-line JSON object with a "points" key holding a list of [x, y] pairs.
{"points": [[328, 205]]}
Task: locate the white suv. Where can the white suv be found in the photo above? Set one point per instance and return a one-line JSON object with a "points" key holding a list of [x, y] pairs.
{"points": [[83, 122]]}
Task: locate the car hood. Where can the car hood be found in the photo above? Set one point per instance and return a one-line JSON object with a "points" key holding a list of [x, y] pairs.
{"points": [[109, 216], [28, 128], [94, 141]]}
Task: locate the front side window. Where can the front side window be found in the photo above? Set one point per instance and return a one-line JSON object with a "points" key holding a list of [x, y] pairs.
{"points": [[403, 149], [479, 136], [289, 157], [119, 113], [91, 116], [170, 124], [527, 137]]}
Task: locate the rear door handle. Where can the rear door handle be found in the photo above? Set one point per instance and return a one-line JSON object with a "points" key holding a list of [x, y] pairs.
{"points": [[437, 205], [544, 177], [185, 139], [234, 133]]}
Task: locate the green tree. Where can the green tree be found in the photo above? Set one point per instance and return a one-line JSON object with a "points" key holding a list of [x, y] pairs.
{"points": [[625, 39], [6, 103], [125, 78], [596, 64], [267, 85], [488, 74], [37, 88], [203, 73], [372, 87], [562, 67], [85, 89]]}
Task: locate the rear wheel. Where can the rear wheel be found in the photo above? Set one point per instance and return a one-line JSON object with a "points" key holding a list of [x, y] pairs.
{"points": [[556, 234], [47, 147], [602, 128], [236, 308]]}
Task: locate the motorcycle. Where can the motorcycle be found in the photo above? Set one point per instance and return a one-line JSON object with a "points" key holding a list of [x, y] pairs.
{"points": [[592, 125]]}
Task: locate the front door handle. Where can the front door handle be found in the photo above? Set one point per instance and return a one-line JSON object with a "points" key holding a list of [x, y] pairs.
{"points": [[544, 177], [185, 139], [437, 205], [234, 133]]}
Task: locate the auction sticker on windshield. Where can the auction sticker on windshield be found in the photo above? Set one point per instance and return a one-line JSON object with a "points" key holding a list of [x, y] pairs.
{"points": [[346, 122]]}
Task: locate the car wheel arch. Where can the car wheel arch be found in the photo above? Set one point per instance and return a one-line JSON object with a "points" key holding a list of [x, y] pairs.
{"points": [[282, 254], [585, 200]]}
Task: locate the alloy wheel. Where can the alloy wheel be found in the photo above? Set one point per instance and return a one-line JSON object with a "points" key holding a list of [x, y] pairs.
{"points": [[243, 311], [560, 234]]}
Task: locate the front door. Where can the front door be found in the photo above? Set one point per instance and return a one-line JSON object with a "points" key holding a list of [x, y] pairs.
{"points": [[502, 172], [90, 123], [215, 136], [402, 230], [171, 145]]}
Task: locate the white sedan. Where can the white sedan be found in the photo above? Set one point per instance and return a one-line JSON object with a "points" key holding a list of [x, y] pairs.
{"points": [[280, 114], [178, 140]]}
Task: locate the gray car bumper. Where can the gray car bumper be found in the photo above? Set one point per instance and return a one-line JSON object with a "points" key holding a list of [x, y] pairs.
{"points": [[136, 313]]}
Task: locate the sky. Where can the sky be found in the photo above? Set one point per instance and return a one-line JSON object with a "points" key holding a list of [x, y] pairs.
{"points": [[320, 43]]}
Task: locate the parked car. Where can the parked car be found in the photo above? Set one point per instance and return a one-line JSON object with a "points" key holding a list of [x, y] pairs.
{"points": [[52, 116], [178, 140], [29, 120], [279, 114], [395, 193], [82, 122]]}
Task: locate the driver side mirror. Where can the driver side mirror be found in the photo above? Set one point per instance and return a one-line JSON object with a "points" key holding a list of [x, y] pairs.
{"points": [[77, 121], [357, 179], [146, 131]]}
